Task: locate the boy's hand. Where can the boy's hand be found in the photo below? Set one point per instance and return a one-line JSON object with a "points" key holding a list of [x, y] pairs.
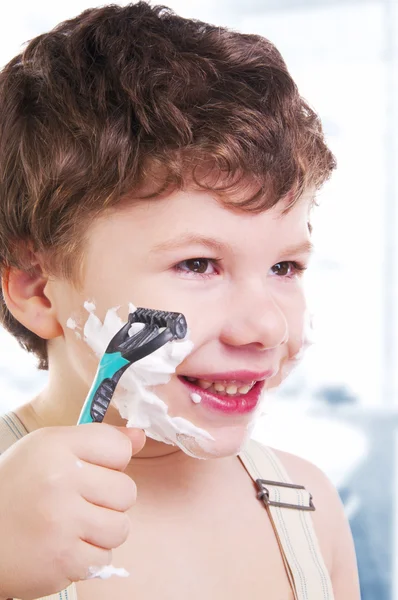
{"points": [[63, 503]]}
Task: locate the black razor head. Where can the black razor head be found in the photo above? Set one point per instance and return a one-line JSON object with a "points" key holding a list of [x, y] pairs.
{"points": [[175, 322]]}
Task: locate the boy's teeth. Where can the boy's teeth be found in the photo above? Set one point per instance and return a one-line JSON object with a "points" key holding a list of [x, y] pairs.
{"points": [[203, 384], [230, 389], [219, 387], [243, 389]]}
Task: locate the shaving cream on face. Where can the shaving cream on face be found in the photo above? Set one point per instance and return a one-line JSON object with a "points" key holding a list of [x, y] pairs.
{"points": [[140, 406], [89, 306], [71, 323]]}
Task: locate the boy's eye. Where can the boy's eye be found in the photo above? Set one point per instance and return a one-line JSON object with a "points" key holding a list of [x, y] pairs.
{"points": [[282, 268], [287, 268], [197, 265], [201, 266]]}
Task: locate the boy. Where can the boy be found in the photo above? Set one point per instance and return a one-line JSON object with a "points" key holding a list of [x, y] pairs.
{"points": [[151, 159]]}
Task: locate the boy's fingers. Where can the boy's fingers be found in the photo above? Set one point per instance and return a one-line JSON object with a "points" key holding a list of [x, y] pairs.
{"points": [[104, 445], [107, 488], [102, 527], [136, 436]]}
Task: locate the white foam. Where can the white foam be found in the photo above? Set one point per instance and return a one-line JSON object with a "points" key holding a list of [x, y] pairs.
{"points": [[71, 323], [89, 306], [196, 398], [106, 572]]}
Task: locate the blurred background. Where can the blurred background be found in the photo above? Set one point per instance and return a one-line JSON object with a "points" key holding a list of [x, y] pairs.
{"points": [[339, 408]]}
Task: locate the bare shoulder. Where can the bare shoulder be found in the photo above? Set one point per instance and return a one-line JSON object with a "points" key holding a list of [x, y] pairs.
{"points": [[305, 473], [330, 523]]}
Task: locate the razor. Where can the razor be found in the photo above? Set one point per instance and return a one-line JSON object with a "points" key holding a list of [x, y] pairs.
{"points": [[123, 350]]}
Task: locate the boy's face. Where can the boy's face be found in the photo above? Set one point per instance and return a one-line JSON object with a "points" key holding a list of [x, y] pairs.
{"points": [[232, 274]]}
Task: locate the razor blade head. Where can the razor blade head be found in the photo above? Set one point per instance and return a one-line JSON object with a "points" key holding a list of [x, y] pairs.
{"points": [[176, 322]]}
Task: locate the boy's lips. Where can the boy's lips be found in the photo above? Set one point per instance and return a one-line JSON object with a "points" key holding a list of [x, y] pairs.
{"points": [[236, 392]]}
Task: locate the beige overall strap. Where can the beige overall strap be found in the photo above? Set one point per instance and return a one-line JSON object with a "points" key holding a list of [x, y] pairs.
{"points": [[12, 430], [289, 508], [68, 594]]}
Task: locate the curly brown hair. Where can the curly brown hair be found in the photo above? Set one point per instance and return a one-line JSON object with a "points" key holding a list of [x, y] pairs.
{"points": [[118, 96]]}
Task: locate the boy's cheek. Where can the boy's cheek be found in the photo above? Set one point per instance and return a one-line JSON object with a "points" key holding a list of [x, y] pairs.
{"points": [[66, 301], [81, 359]]}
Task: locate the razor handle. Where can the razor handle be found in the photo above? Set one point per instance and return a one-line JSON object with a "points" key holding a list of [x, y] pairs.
{"points": [[110, 369]]}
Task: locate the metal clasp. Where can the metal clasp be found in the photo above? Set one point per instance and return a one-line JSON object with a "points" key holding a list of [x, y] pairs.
{"points": [[263, 494]]}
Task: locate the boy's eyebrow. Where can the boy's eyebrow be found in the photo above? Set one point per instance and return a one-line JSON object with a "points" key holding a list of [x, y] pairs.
{"points": [[305, 247], [190, 238]]}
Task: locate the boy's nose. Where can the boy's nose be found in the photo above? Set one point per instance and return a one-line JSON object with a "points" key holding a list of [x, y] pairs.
{"points": [[255, 319]]}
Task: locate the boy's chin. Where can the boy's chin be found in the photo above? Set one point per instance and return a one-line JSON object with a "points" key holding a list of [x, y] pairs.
{"points": [[228, 441]]}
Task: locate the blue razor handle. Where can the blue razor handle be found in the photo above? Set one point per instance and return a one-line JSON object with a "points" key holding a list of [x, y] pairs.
{"points": [[123, 350], [103, 387]]}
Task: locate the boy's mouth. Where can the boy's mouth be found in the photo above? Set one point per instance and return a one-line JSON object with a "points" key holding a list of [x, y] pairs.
{"points": [[228, 388], [236, 393]]}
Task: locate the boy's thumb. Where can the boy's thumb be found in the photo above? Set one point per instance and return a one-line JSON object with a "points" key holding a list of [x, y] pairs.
{"points": [[136, 436]]}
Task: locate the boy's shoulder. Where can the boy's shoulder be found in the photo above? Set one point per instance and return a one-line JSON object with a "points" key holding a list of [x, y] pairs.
{"points": [[329, 512], [330, 523], [306, 473], [301, 471]]}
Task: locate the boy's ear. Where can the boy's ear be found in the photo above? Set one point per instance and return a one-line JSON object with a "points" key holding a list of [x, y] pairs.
{"points": [[25, 296]]}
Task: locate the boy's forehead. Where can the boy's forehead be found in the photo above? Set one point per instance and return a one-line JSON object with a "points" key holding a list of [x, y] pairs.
{"points": [[191, 214]]}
